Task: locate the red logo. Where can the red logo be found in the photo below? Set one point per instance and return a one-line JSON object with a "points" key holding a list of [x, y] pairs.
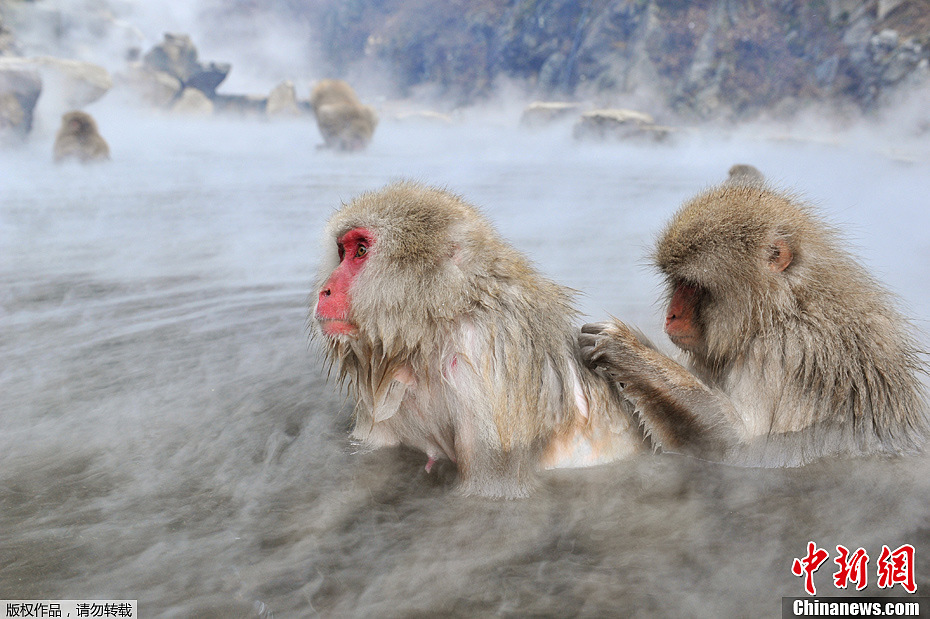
{"points": [[897, 567], [851, 568], [894, 567], [808, 565]]}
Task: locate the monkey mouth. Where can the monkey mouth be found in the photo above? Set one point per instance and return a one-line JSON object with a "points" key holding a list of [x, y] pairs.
{"points": [[685, 342], [332, 327]]}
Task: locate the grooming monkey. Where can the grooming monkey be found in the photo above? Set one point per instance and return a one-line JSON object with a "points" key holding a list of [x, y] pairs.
{"points": [[792, 351], [456, 346]]}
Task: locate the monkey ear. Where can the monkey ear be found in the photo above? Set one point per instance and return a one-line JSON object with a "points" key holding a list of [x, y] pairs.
{"points": [[780, 255]]}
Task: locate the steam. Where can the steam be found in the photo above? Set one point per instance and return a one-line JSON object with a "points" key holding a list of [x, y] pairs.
{"points": [[170, 436], [266, 45]]}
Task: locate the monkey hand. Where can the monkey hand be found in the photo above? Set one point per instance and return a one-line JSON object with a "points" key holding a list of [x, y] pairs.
{"points": [[611, 348]]}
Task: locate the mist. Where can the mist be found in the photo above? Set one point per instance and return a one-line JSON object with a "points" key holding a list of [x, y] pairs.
{"points": [[170, 433]]}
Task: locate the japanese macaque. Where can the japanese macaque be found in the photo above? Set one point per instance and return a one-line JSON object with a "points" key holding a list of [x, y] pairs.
{"points": [[454, 345], [345, 123], [79, 139], [792, 351], [745, 173]]}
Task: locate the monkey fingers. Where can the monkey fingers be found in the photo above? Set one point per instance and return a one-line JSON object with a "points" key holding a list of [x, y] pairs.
{"points": [[589, 339], [610, 347]]}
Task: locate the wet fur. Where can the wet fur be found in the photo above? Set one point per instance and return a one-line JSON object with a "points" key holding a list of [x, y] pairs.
{"points": [[465, 351], [83, 142], [808, 362], [344, 122]]}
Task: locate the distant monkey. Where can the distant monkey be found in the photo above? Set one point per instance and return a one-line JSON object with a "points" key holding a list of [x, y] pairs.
{"points": [[79, 139], [745, 173], [456, 346], [344, 122], [793, 352], [327, 92]]}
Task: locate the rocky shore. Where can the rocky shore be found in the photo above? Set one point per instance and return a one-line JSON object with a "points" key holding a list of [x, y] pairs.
{"points": [[711, 60]]}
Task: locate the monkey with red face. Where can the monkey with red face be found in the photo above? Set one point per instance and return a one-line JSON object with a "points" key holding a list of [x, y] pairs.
{"points": [[792, 351], [456, 346]]}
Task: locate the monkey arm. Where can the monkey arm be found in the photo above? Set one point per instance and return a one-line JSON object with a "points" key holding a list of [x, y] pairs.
{"points": [[679, 412]]}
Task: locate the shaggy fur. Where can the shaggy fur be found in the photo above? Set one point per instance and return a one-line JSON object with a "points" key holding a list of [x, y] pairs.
{"points": [[344, 122], [79, 139], [796, 364], [464, 350]]}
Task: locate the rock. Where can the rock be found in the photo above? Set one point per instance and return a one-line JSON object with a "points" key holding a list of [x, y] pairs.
{"points": [[620, 116], [283, 100], [176, 56], [208, 77], [619, 124], [886, 6], [92, 31], [19, 91], [193, 102], [905, 62], [240, 104], [12, 117], [825, 73], [857, 38], [76, 83], [886, 40], [7, 40], [842, 9], [155, 87], [552, 73], [541, 113]]}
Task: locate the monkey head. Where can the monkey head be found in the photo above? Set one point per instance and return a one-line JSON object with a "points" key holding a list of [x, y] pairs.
{"points": [[398, 269], [725, 256], [79, 123]]}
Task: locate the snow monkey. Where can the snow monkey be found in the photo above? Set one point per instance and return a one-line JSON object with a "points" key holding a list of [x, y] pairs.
{"points": [[454, 345], [344, 122], [792, 350], [79, 139], [745, 173]]}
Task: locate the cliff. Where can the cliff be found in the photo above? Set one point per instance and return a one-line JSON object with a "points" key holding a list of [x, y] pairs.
{"points": [[706, 58], [701, 59]]}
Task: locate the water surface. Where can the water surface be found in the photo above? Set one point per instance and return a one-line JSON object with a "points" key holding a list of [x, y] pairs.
{"points": [[169, 433]]}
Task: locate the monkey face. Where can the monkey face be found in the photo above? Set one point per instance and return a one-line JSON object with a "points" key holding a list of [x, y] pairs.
{"points": [[681, 319], [77, 123], [333, 308]]}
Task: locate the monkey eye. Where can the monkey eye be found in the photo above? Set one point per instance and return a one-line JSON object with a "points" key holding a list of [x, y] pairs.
{"points": [[355, 244]]}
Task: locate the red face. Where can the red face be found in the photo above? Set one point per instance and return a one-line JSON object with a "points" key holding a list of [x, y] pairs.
{"points": [[334, 303], [681, 320]]}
